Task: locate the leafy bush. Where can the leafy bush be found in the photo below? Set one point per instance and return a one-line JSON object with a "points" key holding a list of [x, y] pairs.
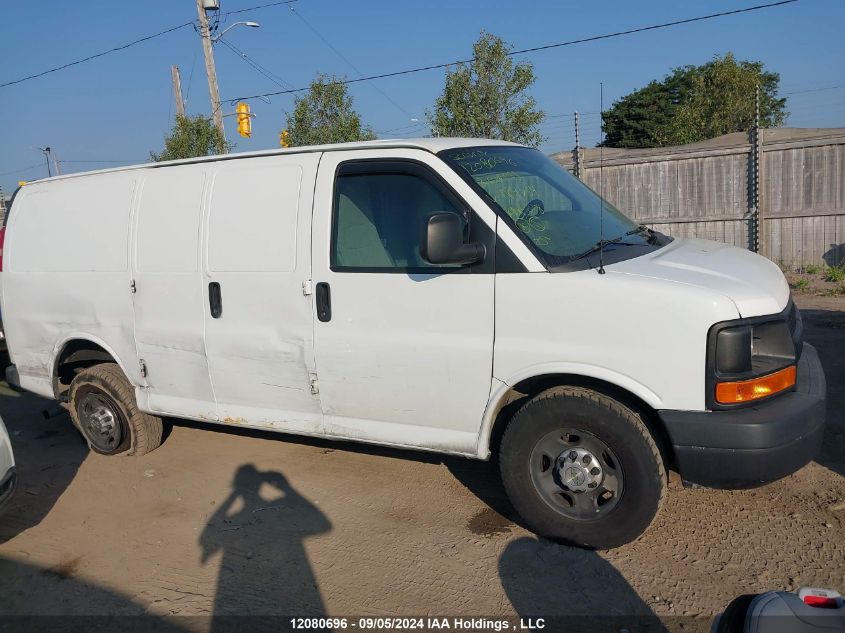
{"points": [[812, 269], [835, 274], [801, 284]]}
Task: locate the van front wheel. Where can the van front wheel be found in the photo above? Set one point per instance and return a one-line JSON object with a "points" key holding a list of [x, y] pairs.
{"points": [[102, 405], [581, 467]]}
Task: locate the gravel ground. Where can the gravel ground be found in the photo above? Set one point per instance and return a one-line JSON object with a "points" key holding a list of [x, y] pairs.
{"points": [[222, 521]]}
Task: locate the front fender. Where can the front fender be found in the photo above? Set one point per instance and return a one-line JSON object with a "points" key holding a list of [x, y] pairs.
{"points": [[501, 388]]}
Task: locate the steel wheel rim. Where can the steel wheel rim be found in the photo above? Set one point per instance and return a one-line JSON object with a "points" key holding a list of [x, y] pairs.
{"points": [[101, 421], [576, 474]]}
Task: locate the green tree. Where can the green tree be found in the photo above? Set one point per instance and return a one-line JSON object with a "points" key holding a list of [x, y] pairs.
{"points": [[643, 117], [487, 97], [695, 103], [190, 137], [721, 99], [325, 115]]}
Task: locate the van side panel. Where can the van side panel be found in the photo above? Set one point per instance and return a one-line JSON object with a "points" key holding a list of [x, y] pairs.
{"points": [[612, 327], [66, 273], [169, 300], [258, 245]]}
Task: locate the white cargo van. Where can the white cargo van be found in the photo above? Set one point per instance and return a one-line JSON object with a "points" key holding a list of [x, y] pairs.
{"points": [[448, 295]]}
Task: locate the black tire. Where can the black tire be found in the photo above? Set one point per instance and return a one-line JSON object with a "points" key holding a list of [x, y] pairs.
{"points": [[732, 619], [629, 481], [104, 390]]}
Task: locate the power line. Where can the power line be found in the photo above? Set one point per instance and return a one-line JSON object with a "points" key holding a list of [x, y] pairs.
{"points": [[571, 114], [23, 169], [349, 63], [133, 43], [255, 65], [569, 125], [405, 134], [191, 78], [583, 40], [798, 92], [403, 128], [104, 161], [260, 6], [96, 55]]}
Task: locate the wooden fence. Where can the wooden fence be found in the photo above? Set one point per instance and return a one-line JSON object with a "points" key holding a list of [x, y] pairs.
{"points": [[795, 216]]}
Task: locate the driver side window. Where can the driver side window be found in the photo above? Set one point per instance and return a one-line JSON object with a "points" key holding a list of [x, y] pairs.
{"points": [[379, 219]]}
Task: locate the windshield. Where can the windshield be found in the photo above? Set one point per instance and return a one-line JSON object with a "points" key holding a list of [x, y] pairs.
{"points": [[558, 214]]}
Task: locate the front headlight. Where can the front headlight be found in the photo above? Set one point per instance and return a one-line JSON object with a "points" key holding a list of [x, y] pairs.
{"points": [[758, 349], [751, 360]]}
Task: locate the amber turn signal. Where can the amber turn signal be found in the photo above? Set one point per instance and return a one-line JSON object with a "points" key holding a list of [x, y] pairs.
{"points": [[745, 390]]}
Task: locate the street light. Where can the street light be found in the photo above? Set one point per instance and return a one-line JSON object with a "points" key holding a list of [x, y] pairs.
{"points": [[214, 38]]}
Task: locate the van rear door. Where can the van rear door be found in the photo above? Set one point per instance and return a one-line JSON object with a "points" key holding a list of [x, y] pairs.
{"points": [[404, 349], [258, 322]]}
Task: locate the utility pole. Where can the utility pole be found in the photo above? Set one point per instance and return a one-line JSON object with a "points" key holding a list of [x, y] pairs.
{"points": [[177, 90], [46, 152], [210, 70]]}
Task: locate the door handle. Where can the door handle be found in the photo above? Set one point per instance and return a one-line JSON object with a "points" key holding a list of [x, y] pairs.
{"points": [[215, 300], [324, 302]]}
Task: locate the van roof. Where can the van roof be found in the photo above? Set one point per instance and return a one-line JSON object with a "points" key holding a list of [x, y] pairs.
{"points": [[432, 145]]}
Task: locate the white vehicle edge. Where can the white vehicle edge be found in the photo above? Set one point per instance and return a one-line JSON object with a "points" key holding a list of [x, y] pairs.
{"points": [[281, 290]]}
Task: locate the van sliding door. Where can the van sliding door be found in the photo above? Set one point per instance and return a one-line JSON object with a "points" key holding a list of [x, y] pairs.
{"points": [[168, 299], [258, 323]]}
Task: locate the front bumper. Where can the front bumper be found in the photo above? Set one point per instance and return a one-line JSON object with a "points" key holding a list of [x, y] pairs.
{"points": [[747, 447], [7, 487]]}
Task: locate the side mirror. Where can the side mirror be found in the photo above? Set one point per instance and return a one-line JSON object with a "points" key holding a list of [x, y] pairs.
{"points": [[443, 241]]}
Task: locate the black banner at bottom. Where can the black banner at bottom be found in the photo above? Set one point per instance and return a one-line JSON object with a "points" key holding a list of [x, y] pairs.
{"points": [[363, 624]]}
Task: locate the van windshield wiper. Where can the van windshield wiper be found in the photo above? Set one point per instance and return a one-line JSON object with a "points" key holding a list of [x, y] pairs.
{"points": [[616, 240]]}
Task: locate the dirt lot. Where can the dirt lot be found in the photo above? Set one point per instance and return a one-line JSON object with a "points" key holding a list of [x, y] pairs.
{"points": [[235, 522]]}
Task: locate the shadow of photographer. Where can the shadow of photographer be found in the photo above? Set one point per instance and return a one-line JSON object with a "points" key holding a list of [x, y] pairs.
{"points": [[260, 529]]}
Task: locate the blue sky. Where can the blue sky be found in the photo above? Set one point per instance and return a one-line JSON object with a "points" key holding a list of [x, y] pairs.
{"points": [[119, 107]]}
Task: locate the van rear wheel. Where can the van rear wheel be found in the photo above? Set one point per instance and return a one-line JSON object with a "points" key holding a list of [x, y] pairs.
{"points": [[102, 406], [582, 467]]}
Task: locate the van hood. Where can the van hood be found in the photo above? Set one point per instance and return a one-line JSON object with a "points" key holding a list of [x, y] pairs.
{"points": [[755, 284]]}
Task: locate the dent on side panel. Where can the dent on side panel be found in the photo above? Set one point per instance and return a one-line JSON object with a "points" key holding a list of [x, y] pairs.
{"points": [[63, 307], [260, 350]]}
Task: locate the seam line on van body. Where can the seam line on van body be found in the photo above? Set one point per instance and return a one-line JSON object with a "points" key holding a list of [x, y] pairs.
{"points": [[311, 297], [204, 271]]}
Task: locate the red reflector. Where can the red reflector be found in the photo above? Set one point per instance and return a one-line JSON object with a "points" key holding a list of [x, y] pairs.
{"points": [[823, 602]]}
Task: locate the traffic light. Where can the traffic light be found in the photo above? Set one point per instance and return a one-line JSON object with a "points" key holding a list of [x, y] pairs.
{"points": [[244, 119], [284, 138]]}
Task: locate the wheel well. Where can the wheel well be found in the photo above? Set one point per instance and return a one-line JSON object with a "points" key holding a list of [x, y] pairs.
{"points": [[523, 391], [76, 356]]}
